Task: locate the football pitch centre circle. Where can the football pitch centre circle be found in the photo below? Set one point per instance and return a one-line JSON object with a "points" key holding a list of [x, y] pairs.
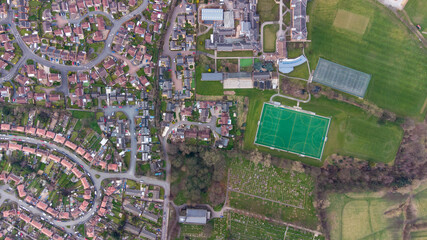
{"points": [[292, 130]]}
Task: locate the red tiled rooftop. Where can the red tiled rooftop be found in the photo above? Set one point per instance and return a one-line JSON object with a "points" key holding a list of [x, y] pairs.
{"points": [[47, 232], [54, 158], [85, 183], [80, 151], [84, 205], [30, 130], [59, 139], [50, 134], [24, 217], [15, 146], [77, 172], [41, 132], [41, 205], [36, 224], [21, 191], [71, 145], [29, 150], [5, 127]]}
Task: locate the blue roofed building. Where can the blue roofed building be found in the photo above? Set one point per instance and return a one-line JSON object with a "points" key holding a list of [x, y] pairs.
{"points": [[287, 65]]}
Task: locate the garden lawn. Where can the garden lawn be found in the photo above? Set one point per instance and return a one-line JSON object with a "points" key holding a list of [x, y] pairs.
{"points": [[235, 54], [268, 10], [200, 46], [91, 116], [386, 50], [246, 62], [269, 41], [213, 88]]}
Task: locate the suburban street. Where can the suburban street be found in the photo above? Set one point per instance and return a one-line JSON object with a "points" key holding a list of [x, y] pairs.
{"points": [[173, 54], [130, 174], [130, 111], [28, 53]]}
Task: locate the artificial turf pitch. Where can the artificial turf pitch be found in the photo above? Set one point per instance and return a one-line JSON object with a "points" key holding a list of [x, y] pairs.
{"points": [[292, 131]]}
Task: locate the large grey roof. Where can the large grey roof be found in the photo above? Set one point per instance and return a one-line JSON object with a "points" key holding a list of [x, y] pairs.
{"points": [[212, 14], [239, 75], [212, 77], [229, 19], [196, 216]]}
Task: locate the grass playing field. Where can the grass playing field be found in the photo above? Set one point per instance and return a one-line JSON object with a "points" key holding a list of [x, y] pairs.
{"points": [[416, 10], [269, 41], [246, 62], [352, 132], [351, 21], [292, 131], [387, 51]]}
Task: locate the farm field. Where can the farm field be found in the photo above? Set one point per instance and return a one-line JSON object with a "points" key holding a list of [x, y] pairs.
{"points": [[377, 215], [358, 216], [352, 131], [386, 50], [238, 226], [273, 192], [416, 9], [269, 41]]}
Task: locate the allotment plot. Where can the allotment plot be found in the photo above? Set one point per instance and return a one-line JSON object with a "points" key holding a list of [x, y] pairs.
{"points": [[341, 78], [292, 131]]}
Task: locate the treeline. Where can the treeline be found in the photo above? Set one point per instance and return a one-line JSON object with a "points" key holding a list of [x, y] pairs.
{"points": [[350, 174], [345, 174], [197, 174]]}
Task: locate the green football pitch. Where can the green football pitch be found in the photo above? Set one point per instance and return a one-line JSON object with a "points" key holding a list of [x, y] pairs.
{"points": [[292, 131]]}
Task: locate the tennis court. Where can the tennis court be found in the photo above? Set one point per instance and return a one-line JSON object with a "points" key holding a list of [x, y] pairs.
{"points": [[292, 131], [341, 78]]}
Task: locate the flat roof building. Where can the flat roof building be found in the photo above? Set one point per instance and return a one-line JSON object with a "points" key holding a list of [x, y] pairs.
{"points": [[229, 19], [212, 14], [195, 216], [212, 76]]}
